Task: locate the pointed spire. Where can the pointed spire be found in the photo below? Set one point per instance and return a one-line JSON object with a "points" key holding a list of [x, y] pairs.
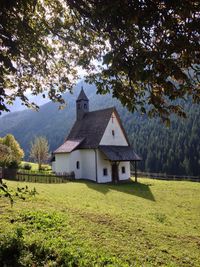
{"points": [[82, 95], [82, 105]]}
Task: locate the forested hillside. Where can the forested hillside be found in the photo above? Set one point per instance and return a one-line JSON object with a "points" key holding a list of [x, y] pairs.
{"points": [[173, 150]]}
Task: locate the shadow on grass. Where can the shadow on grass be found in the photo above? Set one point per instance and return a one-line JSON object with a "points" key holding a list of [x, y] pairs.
{"points": [[132, 188]]}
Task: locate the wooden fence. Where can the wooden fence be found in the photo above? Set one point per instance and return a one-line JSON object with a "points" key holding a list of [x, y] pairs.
{"points": [[37, 177], [169, 177]]}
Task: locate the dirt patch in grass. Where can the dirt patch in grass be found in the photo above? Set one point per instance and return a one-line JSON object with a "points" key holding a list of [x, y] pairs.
{"points": [[111, 222], [104, 219]]}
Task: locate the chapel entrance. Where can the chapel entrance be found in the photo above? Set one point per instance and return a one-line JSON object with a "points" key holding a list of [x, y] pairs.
{"points": [[115, 174]]}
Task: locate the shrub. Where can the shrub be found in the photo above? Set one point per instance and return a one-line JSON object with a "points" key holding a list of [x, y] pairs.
{"points": [[42, 168], [27, 166], [11, 247], [13, 165], [16, 250]]}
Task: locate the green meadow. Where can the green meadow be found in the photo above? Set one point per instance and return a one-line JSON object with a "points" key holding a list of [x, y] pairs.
{"points": [[149, 223], [34, 166]]}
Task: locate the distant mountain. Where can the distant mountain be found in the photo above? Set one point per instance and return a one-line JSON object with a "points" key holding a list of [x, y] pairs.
{"points": [[17, 105], [173, 150]]}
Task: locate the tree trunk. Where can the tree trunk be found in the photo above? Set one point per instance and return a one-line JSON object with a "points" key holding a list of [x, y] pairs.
{"points": [[39, 166]]}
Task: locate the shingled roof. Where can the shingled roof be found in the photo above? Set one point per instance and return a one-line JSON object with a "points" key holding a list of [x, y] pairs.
{"points": [[88, 132], [119, 153], [91, 127], [68, 146]]}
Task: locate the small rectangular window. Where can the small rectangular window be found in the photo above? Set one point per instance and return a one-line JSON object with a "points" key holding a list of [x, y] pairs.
{"points": [[105, 172], [123, 169], [113, 133], [77, 165]]}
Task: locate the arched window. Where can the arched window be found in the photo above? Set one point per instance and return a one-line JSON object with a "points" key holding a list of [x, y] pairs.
{"points": [[79, 105], [113, 133], [78, 165], [85, 106]]}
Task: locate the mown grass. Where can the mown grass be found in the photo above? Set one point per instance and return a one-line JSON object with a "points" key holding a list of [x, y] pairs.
{"points": [[151, 223], [34, 166]]}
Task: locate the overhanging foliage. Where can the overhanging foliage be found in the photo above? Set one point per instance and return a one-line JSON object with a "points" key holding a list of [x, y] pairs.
{"points": [[149, 50]]}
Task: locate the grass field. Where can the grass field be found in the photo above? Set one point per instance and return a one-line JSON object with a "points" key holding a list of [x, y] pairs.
{"points": [[152, 223], [34, 166]]}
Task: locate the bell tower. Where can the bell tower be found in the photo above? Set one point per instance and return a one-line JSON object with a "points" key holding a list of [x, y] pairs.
{"points": [[82, 105]]}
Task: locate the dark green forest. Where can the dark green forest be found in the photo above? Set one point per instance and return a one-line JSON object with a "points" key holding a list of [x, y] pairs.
{"points": [[172, 150]]}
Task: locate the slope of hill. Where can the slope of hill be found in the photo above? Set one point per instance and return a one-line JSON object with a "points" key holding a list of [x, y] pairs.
{"points": [[17, 105], [173, 150], [149, 224]]}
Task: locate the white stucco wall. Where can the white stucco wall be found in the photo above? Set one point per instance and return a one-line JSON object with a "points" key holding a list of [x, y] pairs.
{"points": [[127, 174], [88, 164], [86, 158], [118, 138], [73, 158], [103, 163], [61, 164]]}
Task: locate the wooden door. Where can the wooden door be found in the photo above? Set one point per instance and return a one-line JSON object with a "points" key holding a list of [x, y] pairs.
{"points": [[115, 175]]}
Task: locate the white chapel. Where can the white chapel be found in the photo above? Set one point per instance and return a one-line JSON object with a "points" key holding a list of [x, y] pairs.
{"points": [[97, 147]]}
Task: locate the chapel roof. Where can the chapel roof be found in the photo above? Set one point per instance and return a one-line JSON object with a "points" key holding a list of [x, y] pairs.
{"points": [[91, 127], [88, 132]]}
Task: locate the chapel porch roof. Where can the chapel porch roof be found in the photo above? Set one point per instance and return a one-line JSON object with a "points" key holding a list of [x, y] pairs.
{"points": [[119, 153], [68, 146]]}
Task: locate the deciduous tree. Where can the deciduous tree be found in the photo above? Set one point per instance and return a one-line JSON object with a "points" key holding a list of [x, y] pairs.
{"points": [[39, 150], [36, 54], [12, 152], [5, 154], [149, 50]]}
